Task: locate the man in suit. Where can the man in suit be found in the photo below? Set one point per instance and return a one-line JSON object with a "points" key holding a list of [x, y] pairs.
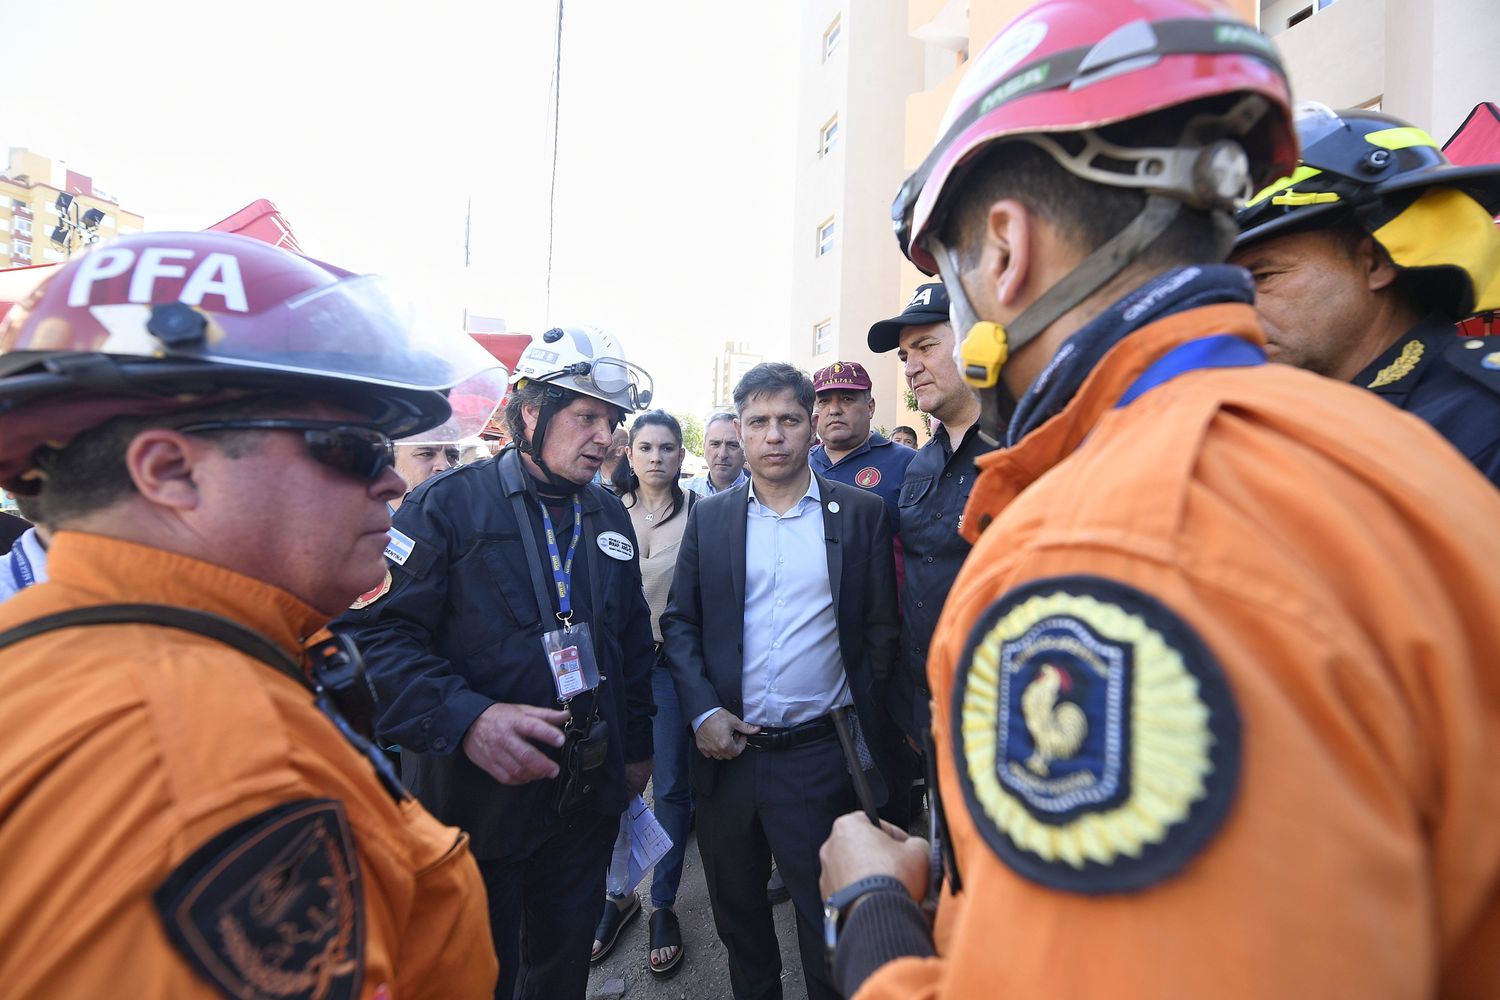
{"points": [[783, 610]]}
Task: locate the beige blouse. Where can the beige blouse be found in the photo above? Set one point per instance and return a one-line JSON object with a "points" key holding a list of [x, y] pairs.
{"points": [[658, 542]]}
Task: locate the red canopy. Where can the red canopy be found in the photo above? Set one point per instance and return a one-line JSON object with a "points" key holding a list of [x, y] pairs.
{"points": [[260, 220]]}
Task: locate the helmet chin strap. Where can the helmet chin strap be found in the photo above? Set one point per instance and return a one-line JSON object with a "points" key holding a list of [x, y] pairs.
{"points": [[556, 485], [986, 346]]}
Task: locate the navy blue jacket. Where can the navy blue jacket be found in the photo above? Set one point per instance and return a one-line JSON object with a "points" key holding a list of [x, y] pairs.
{"points": [[460, 629], [1451, 382], [878, 466], [932, 500]]}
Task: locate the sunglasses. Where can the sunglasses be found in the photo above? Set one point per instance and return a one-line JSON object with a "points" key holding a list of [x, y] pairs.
{"points": [[362, 452]]}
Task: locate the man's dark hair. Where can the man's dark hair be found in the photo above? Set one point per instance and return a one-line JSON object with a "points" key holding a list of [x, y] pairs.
{"points": [[772, 377], [902, 427], [1085, 212], [534, 393], [530, 393], [89, 473]]}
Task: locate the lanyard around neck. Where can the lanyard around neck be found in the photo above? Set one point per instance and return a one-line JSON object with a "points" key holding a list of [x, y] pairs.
{"points": [[562, 569]]}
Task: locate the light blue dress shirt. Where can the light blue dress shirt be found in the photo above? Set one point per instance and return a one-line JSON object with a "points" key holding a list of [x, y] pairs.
{"points": [[793, 671], [704, 485]]}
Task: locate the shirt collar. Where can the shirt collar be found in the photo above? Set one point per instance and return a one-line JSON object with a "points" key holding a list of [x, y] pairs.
{"points": [[812, 493]]}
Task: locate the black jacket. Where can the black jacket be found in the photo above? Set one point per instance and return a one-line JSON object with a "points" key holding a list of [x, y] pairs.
{"points": [[703, 627], [932, 500], [460, 629], [1451, 382]]}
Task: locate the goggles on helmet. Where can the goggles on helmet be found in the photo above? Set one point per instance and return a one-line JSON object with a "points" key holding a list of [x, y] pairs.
{"points": [[607, 378]]}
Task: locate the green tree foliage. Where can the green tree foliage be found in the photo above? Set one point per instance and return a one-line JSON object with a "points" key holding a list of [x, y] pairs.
{"points": [[692, 432]]}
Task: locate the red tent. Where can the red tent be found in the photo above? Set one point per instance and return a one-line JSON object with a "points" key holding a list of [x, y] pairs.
{"points": [[1477, 141]]}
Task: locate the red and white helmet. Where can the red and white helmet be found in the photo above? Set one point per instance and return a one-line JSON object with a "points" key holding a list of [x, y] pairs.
{"points": [[1074, 66], [162, 321]]}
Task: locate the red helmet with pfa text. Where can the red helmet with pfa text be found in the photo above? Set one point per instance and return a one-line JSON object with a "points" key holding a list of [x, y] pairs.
{"points": [[1072, 66], [157, 322]]}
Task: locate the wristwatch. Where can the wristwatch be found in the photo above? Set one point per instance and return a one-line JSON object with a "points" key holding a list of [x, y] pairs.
{"points": [[836, 907]]}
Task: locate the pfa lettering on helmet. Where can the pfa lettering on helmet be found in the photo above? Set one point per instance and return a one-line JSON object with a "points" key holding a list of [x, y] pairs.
{"points": [[1096, 738], [195, 277]]}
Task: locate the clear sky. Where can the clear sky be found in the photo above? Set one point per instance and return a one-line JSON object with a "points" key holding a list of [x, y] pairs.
{"points": [[372, 124]]}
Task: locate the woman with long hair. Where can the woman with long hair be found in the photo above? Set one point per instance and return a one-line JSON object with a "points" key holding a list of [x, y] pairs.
{"points": [[658, 509]]}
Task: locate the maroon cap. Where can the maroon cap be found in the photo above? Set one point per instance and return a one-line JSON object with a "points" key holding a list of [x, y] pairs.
{"points": [[841, 375]]}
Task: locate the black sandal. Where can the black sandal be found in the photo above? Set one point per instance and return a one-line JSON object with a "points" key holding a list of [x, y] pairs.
{"points": [[666, 932], [612, 923]]}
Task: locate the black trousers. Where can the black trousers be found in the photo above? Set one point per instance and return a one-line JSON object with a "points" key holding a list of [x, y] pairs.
{"points": [[544, 907], [766, 803]]}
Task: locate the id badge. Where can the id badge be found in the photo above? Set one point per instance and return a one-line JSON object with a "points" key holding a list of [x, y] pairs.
{"points": [[570, 656]]}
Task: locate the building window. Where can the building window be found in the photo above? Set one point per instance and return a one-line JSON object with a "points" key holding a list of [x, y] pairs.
{"points": [[1299, 17], [825, 237], [21, 251], [23, 227], [831, 38], [828, 136], [4, 225], [823, 337]]}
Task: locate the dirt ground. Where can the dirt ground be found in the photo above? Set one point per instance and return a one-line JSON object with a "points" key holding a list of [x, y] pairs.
{"points": [[704, 973]]}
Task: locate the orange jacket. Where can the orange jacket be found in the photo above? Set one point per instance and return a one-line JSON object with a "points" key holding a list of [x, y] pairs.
{"points": [[1341, 563], [127, 748]]}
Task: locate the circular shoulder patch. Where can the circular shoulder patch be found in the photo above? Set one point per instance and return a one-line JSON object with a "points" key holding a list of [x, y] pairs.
{"points": [[1096, 739], [374, 594], [868, 477]]}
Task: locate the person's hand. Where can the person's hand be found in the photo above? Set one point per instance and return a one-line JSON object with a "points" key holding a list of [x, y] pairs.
{"points": [[722, 735], [501, 742], [636, 776], [856, 850]]}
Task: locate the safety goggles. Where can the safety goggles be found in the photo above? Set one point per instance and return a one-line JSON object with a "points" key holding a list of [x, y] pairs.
{"points": [[362, 452]]}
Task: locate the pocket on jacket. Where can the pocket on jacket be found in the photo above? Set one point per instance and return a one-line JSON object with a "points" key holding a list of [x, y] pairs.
{"points": [[913, 490], [491, 584]]}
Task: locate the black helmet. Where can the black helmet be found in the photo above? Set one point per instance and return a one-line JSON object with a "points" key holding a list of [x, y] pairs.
{"points": [[1388, 178]]}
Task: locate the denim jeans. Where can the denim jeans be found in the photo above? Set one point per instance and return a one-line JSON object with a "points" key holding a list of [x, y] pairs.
{"points": [[673, 790]]}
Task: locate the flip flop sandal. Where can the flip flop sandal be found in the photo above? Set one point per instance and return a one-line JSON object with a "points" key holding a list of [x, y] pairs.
{"points": [[666, 932], [612, 923]]}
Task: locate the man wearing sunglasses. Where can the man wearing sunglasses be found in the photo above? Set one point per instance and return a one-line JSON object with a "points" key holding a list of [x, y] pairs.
{"points": [[192, 806], [504, 576]]}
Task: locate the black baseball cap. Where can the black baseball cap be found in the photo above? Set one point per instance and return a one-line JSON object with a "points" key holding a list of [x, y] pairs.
{"points": [[928, 305]]}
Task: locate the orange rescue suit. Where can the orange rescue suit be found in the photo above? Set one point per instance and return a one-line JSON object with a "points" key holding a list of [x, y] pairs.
{"points": [[1342, 563], [127, 747]]}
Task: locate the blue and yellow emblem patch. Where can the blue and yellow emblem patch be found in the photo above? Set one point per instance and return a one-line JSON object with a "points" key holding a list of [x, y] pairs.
{"points": [[1096, 739]]}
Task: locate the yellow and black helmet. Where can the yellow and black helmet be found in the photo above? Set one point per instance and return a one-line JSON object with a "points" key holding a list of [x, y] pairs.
{"points": [[1391, 180]]}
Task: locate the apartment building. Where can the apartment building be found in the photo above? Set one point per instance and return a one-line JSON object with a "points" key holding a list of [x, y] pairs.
{"points": [[35, 192]]}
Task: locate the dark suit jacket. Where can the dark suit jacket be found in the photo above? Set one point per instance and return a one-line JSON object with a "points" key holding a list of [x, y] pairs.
{"points": [[703, 627]]}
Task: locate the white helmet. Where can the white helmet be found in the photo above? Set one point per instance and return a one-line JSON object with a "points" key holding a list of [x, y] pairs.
{"points": [[586, 360]]}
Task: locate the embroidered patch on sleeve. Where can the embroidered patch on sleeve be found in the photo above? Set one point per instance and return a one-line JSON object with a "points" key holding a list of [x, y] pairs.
{"points": [[1096, 739], [272, 907]]}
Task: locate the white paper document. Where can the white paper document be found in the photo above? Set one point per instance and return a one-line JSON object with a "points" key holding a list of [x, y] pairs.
{"points": [[649, 843]]}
